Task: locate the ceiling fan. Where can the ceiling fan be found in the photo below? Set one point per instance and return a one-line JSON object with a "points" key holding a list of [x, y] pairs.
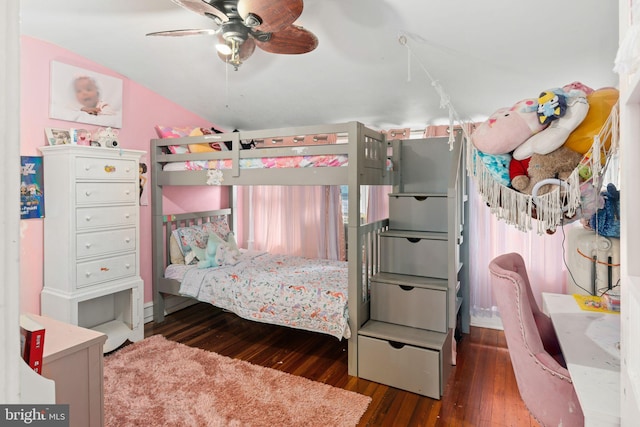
{"points": [[244, 24]]}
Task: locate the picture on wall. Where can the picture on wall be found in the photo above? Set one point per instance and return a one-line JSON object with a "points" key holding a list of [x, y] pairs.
{"points": [[80, 95], [31, 187]]}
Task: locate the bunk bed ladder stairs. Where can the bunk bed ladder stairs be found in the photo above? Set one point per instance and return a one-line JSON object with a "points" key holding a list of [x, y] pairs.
{"points": [[416, 299]]}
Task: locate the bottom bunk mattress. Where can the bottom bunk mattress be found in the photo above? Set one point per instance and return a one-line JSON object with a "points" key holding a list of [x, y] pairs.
{"points": [[302, 293]]}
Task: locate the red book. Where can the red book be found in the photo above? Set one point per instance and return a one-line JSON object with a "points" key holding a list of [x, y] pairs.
{"points": [[32, 342]]}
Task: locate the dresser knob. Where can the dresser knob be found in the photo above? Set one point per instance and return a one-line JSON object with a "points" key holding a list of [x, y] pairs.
{"points": [[87, 218], [87, 245], [127, 216], [87, 193], [127, 266], [127, 240], [87, 274], [87, 168], [127, 192]]}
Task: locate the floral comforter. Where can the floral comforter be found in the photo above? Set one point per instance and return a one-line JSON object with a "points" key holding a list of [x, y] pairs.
{"points": [[309, 294]]}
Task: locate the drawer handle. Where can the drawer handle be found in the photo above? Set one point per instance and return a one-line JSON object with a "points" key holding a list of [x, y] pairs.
{"points": [[406, 288], [127, 239], [109, 168], [87, 168], [87, 193], [127, 192], [87, 274], [87, 218], [420, 198], [395, 344], [127, 215], [87, 245], [276, 140], [297, 139], [127, 266], [104, 269], [414, 239]]}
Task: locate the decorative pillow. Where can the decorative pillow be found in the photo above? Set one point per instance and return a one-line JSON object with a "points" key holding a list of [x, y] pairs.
{"points": [[218, 225], [175, 253], [196, 236], [208, 257], [190, 238], [203, 147], [165, 132]]}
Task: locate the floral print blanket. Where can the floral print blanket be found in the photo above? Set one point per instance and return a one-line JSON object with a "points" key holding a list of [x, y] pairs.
{"points": [[309, 294]]}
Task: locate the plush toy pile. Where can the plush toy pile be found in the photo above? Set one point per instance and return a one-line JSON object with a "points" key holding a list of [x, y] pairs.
{"points": [[544, 137]]}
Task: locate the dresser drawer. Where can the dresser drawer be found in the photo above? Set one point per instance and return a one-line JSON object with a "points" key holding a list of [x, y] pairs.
{"points": [[98, 271], [106, 216], [400, 365], [403, 253], [108, 169], [409, 305], [418, 212], [104, 242], [90, 193]]}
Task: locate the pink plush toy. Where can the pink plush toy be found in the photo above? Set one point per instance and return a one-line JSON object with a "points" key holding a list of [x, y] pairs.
{"points": [[507, 128]]}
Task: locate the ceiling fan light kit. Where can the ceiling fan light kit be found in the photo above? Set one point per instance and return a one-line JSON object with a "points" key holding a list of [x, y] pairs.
{"points": [[245, 24]]}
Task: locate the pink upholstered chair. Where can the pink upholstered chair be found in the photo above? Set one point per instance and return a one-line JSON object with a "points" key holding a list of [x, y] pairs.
{"points": [[544, 383]]}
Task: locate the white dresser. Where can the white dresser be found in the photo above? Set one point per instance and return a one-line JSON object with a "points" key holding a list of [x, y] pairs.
{"points": [[92, 240]]}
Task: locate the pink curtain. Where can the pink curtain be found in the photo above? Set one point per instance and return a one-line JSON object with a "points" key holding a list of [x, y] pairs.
{"points": [[304, 221], [489, 237]]}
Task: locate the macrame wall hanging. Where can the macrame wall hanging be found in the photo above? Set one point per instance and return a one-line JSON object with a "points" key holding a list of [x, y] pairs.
{"points": [[567, 201]]}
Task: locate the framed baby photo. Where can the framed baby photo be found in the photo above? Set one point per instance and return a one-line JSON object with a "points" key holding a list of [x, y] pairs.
{"points": [[85, 96], [57, 136]]}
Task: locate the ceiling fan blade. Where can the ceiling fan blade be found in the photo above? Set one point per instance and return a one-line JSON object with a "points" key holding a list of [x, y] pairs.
{"points": [[179, 33], [274, 15], [246, 49], [292, 40], [202, 8]]}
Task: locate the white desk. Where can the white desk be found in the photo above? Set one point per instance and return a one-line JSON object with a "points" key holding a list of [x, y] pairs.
{"points": [[590, 345]]}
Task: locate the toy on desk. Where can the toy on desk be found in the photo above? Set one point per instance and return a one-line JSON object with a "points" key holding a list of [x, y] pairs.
{"points": [[596, 303]]}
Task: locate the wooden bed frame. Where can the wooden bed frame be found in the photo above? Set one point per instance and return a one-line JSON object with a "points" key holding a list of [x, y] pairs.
{"points": [[368, 154]]}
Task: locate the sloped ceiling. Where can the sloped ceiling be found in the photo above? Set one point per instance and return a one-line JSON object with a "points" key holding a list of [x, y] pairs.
{"points": [[483, 54]]}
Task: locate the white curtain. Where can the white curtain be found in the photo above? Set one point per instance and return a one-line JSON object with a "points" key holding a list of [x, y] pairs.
{"points": [[490, 237]]}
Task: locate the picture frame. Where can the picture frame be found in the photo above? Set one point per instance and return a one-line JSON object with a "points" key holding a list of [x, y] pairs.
{"points": [[85, 96], [57, 136]]}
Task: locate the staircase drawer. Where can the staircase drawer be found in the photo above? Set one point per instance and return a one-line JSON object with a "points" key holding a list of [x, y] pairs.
{"points": [[414, 256], [418, 212], [409, 305], [406, 367]]}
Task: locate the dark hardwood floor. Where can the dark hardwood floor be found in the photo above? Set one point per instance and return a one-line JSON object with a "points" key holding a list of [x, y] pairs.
{"points": [[481, 390]]}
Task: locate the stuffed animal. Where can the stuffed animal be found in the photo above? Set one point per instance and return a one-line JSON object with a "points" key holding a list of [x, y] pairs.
{"points": [[606, 221], [518, 174], [601, 103], [508, 128], [208, 258], [497, 165], [556, 134], [557, 164]]}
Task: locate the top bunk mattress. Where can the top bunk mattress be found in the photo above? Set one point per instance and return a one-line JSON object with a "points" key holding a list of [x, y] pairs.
{"points": [[262, 163]]}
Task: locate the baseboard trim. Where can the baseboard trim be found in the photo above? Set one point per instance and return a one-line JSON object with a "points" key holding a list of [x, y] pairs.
{"points": [[493, 322], [172, 303]]}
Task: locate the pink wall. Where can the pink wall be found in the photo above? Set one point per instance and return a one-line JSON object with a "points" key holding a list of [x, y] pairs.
{"points": [[142, 110]]}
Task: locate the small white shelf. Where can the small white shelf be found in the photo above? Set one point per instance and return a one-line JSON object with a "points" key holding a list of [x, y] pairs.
{"points": [[117, 333]]}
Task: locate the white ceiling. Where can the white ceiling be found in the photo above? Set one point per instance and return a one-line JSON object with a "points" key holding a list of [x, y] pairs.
{"points": [[484, 54]]}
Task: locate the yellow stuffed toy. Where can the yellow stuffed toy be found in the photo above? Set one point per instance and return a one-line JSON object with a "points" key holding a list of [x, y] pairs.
{"points": [[601, 103]]}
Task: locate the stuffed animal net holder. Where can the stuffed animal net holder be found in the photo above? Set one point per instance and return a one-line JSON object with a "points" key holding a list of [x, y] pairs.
{"points": [[571, 198]]}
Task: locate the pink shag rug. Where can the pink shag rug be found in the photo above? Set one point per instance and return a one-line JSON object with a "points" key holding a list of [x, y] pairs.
{"points": [[157, 382]]}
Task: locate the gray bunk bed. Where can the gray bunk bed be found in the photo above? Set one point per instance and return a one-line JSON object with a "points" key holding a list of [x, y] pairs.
{"points": [[368, 164]]}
